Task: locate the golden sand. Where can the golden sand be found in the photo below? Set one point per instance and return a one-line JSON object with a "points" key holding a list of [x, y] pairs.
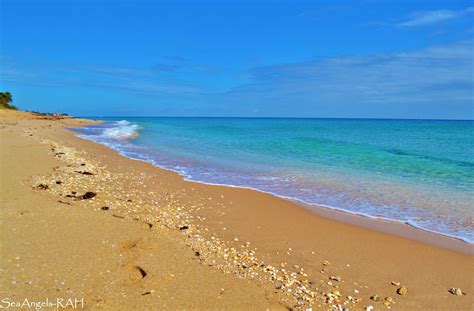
{"points": [[80, 221]]}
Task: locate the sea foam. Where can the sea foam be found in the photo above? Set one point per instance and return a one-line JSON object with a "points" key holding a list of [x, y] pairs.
{"points": [[122, 130]]}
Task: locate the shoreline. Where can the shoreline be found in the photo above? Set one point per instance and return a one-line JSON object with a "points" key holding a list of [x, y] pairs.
{"points": [[393, 227], [270, 239], [384, 225]]}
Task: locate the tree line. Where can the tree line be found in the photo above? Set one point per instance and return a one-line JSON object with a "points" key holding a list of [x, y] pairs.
{"points": [[5, 100]]}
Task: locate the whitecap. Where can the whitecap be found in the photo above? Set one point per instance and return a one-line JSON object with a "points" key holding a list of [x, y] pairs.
{"points": [[124, 130]]}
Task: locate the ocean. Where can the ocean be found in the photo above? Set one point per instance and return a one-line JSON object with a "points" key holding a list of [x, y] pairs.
{"points": [[418, 172]]}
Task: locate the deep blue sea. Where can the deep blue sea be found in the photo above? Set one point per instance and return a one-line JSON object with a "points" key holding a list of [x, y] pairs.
{"points": [[419, 172]]}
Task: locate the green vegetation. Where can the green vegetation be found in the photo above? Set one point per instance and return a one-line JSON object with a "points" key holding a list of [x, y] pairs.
{"points": [[5, 100]]}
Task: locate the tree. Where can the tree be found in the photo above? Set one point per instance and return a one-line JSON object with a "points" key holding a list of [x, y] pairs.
{"points": [[5, 99]]}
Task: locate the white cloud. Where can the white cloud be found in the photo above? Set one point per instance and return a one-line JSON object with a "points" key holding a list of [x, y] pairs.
{"points": [[154, 80], [433, 17], [433, 82]]}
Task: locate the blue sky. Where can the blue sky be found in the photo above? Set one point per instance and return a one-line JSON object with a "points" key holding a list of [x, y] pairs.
{"points": [[374, 59]]}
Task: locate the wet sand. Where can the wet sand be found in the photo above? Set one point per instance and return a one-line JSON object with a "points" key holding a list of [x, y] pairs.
{"points": [[227, 248]]}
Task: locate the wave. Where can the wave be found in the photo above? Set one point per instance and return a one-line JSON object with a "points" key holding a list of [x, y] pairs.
{"points": [[122, 130]]}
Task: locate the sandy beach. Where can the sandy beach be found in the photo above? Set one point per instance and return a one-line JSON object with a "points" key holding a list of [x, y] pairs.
{"points": [[80, 221]]}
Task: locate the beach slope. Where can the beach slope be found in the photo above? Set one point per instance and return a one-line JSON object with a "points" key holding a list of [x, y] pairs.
{"points": [[80, 221]]}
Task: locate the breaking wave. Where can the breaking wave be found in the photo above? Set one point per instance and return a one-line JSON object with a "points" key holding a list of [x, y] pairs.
{"points": [[122, 130]]}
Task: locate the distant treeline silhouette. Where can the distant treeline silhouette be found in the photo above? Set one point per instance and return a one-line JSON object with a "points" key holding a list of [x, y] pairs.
{"points": [[5, 100]]}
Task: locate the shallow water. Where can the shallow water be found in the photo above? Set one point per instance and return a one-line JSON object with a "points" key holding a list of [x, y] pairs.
{"points": [[413, 171]]}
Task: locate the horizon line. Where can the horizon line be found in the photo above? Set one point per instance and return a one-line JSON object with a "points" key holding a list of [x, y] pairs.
{"points": [[247, 117]]}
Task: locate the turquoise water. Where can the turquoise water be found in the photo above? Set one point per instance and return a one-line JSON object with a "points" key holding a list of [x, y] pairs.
{"points": [[413, 171]]}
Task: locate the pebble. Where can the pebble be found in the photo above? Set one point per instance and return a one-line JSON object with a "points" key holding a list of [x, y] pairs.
{"points": [[335, 278], [402, 291], [456, 291], [389, 299], [375, 298], [395, 283]]}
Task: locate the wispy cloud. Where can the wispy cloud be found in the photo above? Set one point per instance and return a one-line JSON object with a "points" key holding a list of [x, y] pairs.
{"points": [[432, 82], [156, 79], [433, 17], [413, 83], [110, 70]]}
